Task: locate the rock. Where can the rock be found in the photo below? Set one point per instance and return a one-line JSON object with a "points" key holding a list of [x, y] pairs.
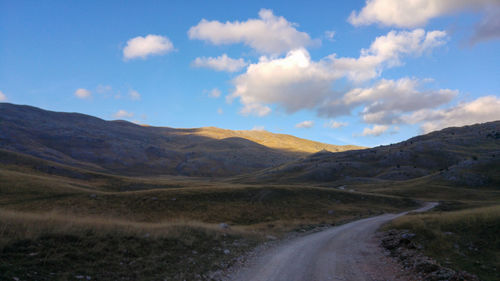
{"points": [[226, 252], [154, 198], [79, 276], [331, 212], [224, 225], [93, 195], [408, 236], [426, 266], [271, 237], [15, 278]]}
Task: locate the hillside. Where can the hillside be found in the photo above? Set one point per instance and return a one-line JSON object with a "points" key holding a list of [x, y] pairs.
{"points": [[125, 148], [468, 155]]}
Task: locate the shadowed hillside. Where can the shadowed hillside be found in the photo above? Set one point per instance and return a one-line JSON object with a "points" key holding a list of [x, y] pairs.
{"points": [[125, 148], [467, 155]]}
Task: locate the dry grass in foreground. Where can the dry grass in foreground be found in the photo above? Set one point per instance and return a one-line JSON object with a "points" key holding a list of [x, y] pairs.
{"points": [[466, 239], [56, 247]]}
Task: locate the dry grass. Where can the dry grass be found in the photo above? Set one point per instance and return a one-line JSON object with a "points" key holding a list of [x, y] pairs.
{"points": [[273, 140], [465, 239]]}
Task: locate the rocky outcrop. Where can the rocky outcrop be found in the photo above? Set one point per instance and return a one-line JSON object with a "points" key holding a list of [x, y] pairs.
{"points": [[401, 244]]}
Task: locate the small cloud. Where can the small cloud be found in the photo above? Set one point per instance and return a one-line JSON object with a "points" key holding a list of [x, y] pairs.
{"points": [[220, 111], [82, 93], [376, 131], [134, 95], [335, 125], [305, 124], [330, 34], [221, 63], [120, 114], [142, 47], [214, 93], [3, 97], [258, 128]]}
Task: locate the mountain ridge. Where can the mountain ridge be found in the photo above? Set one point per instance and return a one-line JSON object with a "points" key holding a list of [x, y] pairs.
{"points": [[123, 147]]}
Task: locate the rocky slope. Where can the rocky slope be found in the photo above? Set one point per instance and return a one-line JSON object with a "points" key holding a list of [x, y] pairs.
{"points": [[122, 147], [467, 155]]}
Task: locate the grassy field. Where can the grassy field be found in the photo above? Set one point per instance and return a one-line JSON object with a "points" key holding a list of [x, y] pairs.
{"points": [[62, 223], [122, 228], [462, 239]]}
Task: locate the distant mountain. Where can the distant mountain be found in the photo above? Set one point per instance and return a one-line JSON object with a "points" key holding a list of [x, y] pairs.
{"points": [[468, 155], [122, 147]]}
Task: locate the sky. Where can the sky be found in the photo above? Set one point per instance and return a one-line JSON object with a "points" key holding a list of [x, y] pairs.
{"points": [[342, 72]]}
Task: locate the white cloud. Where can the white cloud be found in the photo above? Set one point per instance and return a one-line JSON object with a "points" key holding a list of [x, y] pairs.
{"points": [[220, 111], [269, 34], [375, 131], [335, 125], [220, 63], [480, 110], [412, 13], [142, 47], [3, 97], [387, 100], [305, 124], [387, 51], [255, 109], [330, 34], [134, 95], [82, 93], [296, 82], [120, 114], [214, 93], [258, 128]]}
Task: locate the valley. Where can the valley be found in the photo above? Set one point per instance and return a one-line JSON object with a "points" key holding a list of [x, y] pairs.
{"points": [[131, 202]]}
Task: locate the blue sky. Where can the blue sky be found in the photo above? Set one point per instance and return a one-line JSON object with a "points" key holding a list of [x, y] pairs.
{"points": [[341, 72]]}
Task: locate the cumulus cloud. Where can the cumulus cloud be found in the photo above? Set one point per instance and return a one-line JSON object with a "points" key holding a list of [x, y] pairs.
{"points": [[120, 114], [134, 95], [375, 131], [411, 13], [335, 125], [387, 51], [387, 100], [414, 13], [82, 93], [305, 124], [214, 93], [480, 110], [220, 63], [3, 97], [268, 34], [296, 82], [142, 47]]}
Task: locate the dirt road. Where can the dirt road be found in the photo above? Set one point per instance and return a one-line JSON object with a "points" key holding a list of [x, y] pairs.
{"points": [[347, 252]]}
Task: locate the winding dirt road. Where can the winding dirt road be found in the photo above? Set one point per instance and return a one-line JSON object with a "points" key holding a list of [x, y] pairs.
{"points": [[347, 252]]}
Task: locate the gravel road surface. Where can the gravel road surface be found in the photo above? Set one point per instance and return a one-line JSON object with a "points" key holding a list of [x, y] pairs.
{"points": [[347, 252]]}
